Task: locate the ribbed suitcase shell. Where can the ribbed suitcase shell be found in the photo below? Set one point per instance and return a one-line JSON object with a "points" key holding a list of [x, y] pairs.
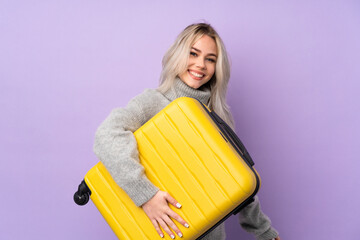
{"points": [[185, 153]]}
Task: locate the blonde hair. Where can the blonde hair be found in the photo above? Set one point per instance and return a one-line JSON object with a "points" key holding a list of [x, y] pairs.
{"points": [[175, 62]]}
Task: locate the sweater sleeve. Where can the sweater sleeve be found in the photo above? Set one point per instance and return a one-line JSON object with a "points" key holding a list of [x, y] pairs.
{"points": [[254, 221], [115, 145]]}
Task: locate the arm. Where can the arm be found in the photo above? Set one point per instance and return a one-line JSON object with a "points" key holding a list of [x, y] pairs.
{"points": [[254, 221], [115, 145]]}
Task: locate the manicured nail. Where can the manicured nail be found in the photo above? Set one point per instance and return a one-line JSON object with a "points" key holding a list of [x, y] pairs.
{"points": [[180, 235], [161, 235], [172, 236], [178, 205], [186, 225]]}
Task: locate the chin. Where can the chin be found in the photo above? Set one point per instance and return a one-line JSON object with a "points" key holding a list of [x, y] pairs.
{"points": [[194, 83]]}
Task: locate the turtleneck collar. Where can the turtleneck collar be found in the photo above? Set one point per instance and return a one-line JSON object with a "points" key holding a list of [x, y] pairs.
{"points": [[181, 89]]}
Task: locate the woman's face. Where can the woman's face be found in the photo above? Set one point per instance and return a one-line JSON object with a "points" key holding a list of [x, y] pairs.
{"points": [[202, 62]]}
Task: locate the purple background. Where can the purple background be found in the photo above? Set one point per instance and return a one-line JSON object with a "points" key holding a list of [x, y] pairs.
{"points": [[294, 93]]}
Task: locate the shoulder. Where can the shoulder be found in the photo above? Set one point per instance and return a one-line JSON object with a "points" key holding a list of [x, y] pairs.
{"points": [[149, 93], [148, 97], [148, 103]]}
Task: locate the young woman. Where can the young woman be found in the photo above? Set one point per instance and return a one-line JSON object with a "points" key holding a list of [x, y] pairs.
{"points": [[196, 65]]}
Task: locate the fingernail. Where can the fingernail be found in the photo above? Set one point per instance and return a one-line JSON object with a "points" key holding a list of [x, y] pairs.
{"points": [[178, 205], [180, 235], [172, 236], [186, 225], [161, 235]]}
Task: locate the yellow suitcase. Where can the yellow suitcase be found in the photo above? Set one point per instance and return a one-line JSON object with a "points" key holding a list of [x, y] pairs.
{"points": [[189, 152]]}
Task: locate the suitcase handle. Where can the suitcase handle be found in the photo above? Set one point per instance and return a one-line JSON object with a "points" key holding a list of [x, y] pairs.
{"points": [[230, 134]]}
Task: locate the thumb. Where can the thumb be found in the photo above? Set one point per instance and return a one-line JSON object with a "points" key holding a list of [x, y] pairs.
{"points": [[172, 201]]}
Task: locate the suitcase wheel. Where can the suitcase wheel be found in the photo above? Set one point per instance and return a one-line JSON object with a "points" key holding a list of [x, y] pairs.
{"points": [[82, 196]]}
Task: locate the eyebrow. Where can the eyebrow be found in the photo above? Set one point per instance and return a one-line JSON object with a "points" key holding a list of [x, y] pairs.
{"points": [[210, 54]]}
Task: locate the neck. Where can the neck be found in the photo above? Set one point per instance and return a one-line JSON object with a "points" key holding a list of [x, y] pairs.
{"points": [[181, 89]]}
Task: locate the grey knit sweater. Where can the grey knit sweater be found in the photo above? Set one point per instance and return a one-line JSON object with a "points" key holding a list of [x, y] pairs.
{"points": [[116, 146]]}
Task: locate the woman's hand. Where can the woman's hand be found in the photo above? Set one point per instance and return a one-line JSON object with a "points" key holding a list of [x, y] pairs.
{"points": [[159, 212]]}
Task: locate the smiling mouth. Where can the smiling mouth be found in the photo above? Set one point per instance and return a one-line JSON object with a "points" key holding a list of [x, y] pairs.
{"points": [[197, 75]]}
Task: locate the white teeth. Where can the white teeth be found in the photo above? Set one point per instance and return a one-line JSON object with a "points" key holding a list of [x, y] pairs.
{"points": [[196, 74]]}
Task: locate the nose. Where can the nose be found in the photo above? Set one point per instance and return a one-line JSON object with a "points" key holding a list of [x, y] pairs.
{"points": [[200, 63]]}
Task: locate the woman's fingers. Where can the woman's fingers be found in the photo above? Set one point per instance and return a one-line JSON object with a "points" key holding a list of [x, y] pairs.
{"points": [[172, 225], [157, 228], [172, 200], [171, 213], [165, 227], [159, 212], [176, 216]]}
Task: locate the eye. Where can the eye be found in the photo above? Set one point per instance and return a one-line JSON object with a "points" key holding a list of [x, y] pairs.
{"points": [[193, 53], [211, 60]]}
